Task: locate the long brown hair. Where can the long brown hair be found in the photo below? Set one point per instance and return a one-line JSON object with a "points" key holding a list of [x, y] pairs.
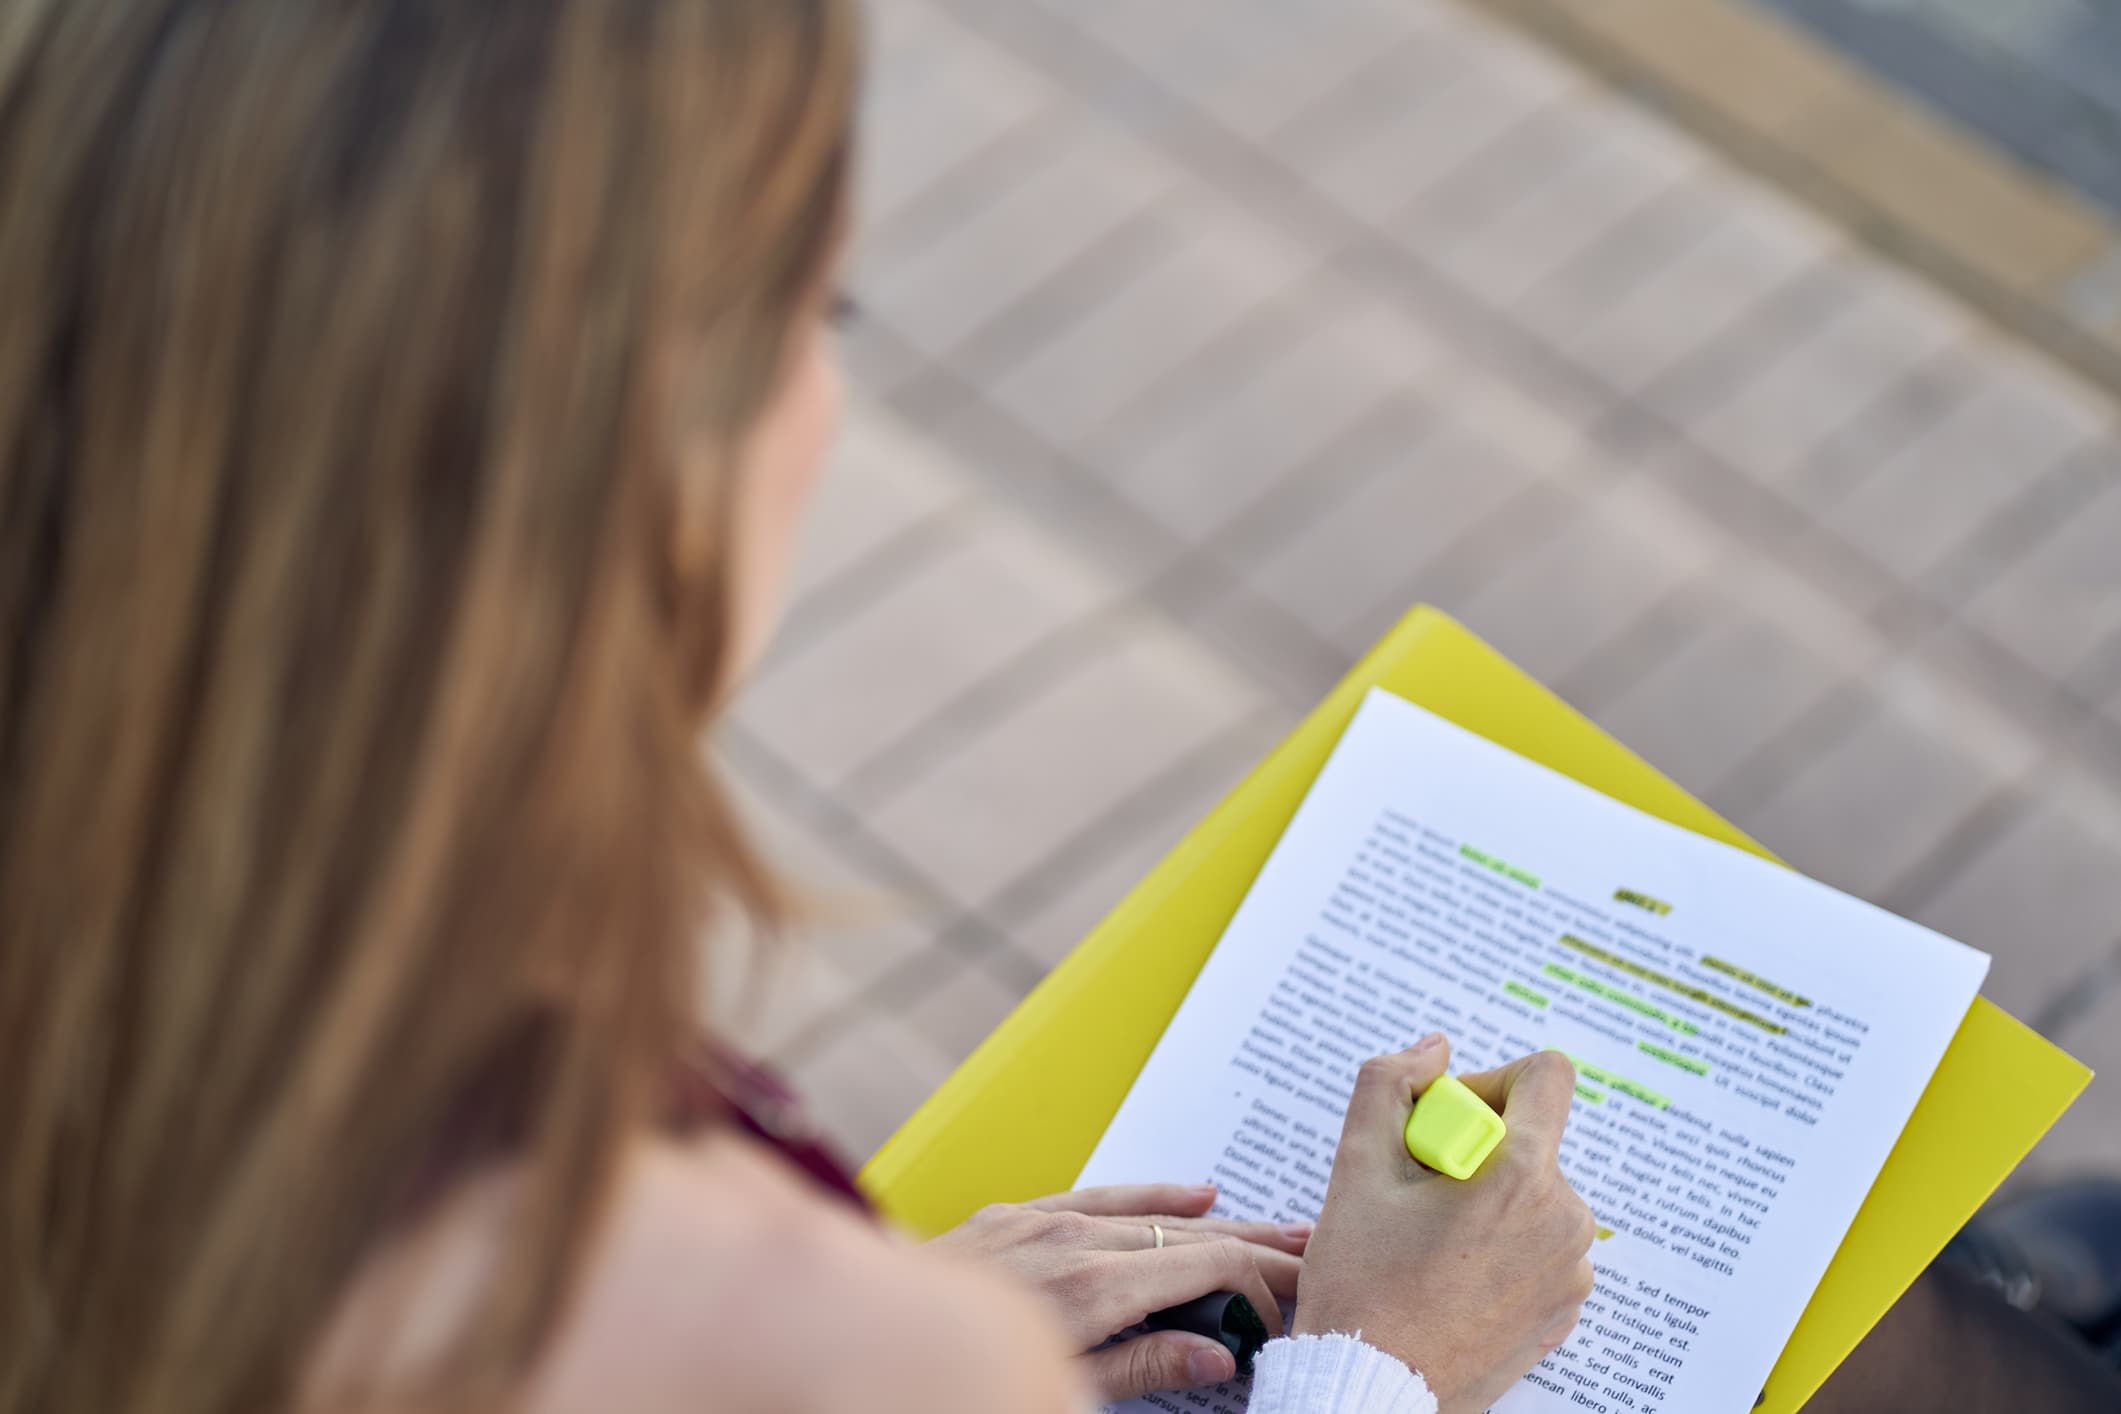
{"points": [[357, 627]]}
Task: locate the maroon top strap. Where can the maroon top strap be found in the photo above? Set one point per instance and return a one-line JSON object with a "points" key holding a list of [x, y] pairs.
{"points": [[713, 1084], [709, 1086]]}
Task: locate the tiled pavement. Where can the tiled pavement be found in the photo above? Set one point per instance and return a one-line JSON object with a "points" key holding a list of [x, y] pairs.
{"points": [[1200, 339]]}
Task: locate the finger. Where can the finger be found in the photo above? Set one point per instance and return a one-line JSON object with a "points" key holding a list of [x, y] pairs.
{"points": [[1385, 1089], [1150, 1281], [1532, 1094], [1288, 1237], [1280, 1269], [1157, 1361], [1132, 1200]]}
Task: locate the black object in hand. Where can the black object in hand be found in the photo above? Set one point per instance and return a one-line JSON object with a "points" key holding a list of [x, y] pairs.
{"points": [[1224, 1316]]}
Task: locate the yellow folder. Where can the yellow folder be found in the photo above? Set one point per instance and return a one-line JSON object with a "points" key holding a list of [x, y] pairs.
{"points": [[1020, 1117]]}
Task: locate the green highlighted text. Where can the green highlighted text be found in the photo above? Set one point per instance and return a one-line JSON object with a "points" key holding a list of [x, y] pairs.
{"points": [[1621, 997], [1523, 993], [1686, 1063], [1497, 866]]}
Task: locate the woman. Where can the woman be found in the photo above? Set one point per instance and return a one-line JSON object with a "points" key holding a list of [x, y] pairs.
{"points": [[405, 410]]}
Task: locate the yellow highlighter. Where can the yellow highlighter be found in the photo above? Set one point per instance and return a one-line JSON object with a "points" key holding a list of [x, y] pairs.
{"points": [[1452, 1130]]}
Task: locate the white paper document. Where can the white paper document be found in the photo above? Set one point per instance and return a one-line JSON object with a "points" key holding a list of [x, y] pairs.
{"points": [[1749, 1043]]}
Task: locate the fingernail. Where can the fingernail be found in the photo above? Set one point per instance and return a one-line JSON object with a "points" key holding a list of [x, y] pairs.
{"points": [[1202, 1190], [1429, 1042], [1210, 1367], [1296, 1229]]}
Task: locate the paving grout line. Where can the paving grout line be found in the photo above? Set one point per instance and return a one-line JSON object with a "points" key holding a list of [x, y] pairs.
{"points": [[1500, 316], [2056, 716], [2059, 699], [1742, 788], [976, 708], [2101, 671], [2102, 746], [836, 827], [1894, 604], [1377, 76], [1052, 479], [975, 938], [1663, 631], [887, 995], [1896, 608], [1619, 411], [1733, 507], [876, 359], [844, 595], [907, 759], [940, 388], [971, 184], [1454, 573], [1794, 161], [953, 406], [1300, 665], [2072, 738], [930, 396], [1529, 518], [1189, 569], [1966, 841], [1841, 444], [1445, 190], [1718, 370], [1753, 782], [1620, 242], [2079, 998], [1323, 480], [2057, 483], [1971, 838], [1054, 304], [1020, 970], [2001, 542], [1246, 345], [1213, 147], [1141, 809], [1376, 262]]}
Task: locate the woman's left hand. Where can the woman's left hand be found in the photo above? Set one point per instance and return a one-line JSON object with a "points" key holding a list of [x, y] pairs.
{"points": [[1094, 1255]]}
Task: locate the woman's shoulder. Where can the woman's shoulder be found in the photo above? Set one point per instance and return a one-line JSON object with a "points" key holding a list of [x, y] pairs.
{"points": [[724, 1270], [724, 1275]]}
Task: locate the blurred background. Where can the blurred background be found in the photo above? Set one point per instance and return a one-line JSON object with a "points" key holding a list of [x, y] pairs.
{"points": [[1744, 369]]}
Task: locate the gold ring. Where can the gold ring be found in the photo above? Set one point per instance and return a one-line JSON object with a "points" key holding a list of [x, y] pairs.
{"points": [[1158, 1230]]}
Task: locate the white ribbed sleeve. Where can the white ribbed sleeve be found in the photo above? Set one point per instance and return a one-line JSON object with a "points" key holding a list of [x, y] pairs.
{"points": [[1334, 1374]]}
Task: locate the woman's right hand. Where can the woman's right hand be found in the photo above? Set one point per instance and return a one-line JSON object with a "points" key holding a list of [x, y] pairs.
{"points": [[1471, 1283]]}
